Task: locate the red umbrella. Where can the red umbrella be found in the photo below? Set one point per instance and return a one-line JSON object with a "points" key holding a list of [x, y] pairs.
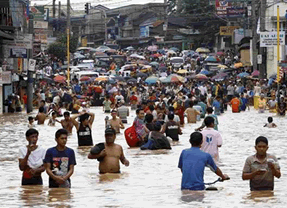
{"points": [[60, 79], [85, 78], [201, 77], [255, 73]]}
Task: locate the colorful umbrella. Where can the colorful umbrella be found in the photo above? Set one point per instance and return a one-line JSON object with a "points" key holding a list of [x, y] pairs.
{"points": [[219, 76], [60, 79], [85, 78], [205, 72], [220, 53], [151, 80], [255, 73], [152, 48], [144, 62], [238, 65], [202, 50], [211, 59], [221, 66], [201, 77], [243, 74], [101, 79]]}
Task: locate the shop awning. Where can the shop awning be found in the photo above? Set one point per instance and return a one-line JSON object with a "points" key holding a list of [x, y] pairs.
{"points": [[6, 36]]}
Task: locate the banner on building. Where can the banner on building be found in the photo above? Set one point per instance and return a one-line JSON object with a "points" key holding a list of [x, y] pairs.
{"points": [[227, 30], [144, 31], [269, 39]]}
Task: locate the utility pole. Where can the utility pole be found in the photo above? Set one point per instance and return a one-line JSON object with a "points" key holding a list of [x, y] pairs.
{"points": [[30, 79], [54, 8], [254, 35], [68, 41], [165, 20], [59, 16], [262, 50]]}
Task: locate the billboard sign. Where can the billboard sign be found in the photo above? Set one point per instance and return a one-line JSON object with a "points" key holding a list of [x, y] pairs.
{"points": [[269, 39]]}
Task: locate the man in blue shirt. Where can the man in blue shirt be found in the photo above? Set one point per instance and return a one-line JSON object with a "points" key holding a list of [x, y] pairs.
{"points": [[192, 163]]}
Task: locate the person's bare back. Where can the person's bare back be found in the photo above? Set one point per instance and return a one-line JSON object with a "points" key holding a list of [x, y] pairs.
{"points": [[41, 117]]}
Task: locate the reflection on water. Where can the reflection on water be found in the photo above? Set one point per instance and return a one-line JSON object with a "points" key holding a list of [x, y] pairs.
{"points": [[152, 179]]}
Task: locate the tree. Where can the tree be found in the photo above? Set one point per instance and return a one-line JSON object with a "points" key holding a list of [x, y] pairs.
{"points": [[59, 48]]}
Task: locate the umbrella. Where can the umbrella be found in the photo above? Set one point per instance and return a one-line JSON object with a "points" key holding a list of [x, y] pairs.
{"points": [[60, 79], [140, 74], [101, 79], [238, 65], [163, 74], [130, 48], [99, 53], [205, 72], [182, 71], [78, 56], [201, 77], [220, 53], [219, 76], [152, 48], [161, 51], [202, 50], [163, 68], [144, 62], [171, 52], [221, 66], [255, 73], [134, 55], [151, 80], [156, 55], [132, 80], [191, 76], [243, 74], [174, 49], [211, 59], [154, 63], [119, 78], [85, 78], [164, 80]]}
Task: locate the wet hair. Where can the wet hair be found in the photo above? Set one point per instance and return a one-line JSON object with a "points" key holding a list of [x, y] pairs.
{"points": [[170, 116], [261, 139], [208, 121], [67, 113], [41, 110], [270, 119], [138, 110], [195, 102], [190, 104], [60, 132], [148, 118], [171, 108], [43, 101], [189, 96], [54, 113], [30, 132], [30, 118], [151, 107], [195, 139], [84, 117], [157, 126], [209, 110]]}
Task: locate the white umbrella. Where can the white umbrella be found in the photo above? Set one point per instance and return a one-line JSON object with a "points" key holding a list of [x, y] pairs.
{"points": [[152, 48], [134, 55], [171, 52], [163, 74]]}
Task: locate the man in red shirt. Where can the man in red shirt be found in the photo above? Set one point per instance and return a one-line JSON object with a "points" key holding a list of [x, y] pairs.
{"points": [[235, 104], [134, 101]]}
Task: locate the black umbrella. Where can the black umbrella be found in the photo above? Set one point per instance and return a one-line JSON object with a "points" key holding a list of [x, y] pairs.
{"points": [[132, 80], [119, 78], [128, 77], [143, 75], [163, 68]]}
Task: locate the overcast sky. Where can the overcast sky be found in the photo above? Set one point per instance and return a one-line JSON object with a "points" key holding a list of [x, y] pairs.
{"points": [[79, 4]]}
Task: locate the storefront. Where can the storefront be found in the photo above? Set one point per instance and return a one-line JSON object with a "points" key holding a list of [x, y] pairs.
{"points": [[5, 88]]}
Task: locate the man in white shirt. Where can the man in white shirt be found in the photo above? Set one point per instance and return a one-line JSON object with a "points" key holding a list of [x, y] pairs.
{"points": [[212, 139], [203, 89]]}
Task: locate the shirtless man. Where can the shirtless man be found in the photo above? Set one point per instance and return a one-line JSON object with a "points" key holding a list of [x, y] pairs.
{"points": [[110, 156], [41, 116], [116, 123], [67, 122]]}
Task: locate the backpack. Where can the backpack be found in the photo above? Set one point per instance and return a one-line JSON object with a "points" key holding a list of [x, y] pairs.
{"points": [[131, 136]]}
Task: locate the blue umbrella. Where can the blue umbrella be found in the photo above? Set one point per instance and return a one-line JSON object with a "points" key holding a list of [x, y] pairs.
{"points": [[211, 59], [161, 51], [243, 74], [205, 72], [151, 80]]}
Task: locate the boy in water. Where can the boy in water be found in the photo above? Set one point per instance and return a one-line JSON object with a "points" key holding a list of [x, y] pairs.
{"points": [[209, 110], [53, 119], [31, 122], [41, 116], [116, 123], [261, 168], [192, 163], [60, 161], [270, 123], [31, 160], [110, 156], [67, 123]]}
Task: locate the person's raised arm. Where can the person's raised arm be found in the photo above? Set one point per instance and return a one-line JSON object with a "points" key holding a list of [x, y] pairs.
{"points": [[75, 123], [92, 118]]}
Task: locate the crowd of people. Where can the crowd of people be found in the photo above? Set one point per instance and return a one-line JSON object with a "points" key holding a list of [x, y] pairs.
{"points": [[161, 113]]}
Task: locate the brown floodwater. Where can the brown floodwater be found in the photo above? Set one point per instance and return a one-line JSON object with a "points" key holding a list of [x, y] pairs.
{"points": [[152, 179]]}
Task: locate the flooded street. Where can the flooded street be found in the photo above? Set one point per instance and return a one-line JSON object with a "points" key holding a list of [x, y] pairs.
{"points": [[152, 179]]}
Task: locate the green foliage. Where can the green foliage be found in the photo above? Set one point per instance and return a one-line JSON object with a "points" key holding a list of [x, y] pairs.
{"points": [[59, 48]]}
